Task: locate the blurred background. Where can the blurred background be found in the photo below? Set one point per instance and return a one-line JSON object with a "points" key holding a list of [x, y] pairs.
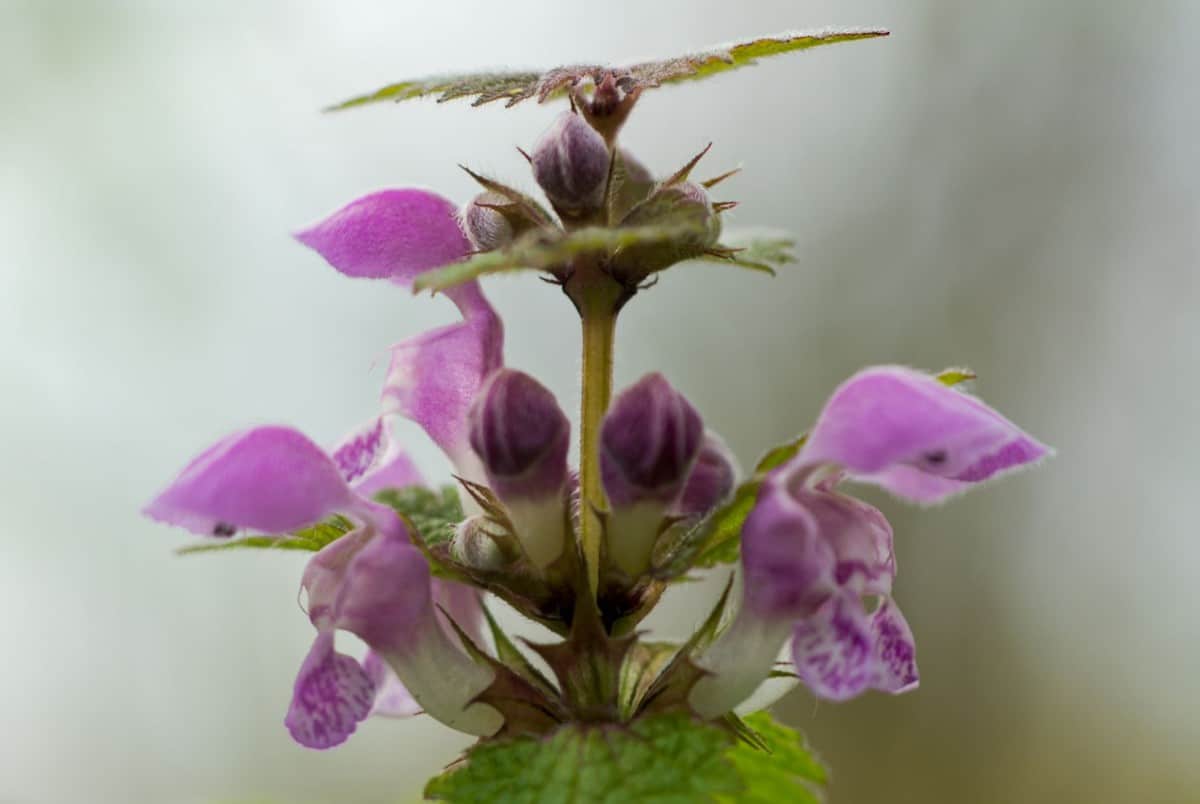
{"points": [[1010, 186]]}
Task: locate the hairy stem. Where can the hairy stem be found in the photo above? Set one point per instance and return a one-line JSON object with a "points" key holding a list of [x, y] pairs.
{"points": [[598, 312]]}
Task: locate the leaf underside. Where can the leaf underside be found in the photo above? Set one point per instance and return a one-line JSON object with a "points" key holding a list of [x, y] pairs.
{"points": [[432, 514], [545, 250], [310, 539], [515, 87], [758, 251], [666, 758]]}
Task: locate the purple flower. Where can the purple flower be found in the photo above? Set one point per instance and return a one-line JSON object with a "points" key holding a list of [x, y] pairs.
{"points": [[522, 436], [398, 234], [649, 441], [914, 436], [275, 479], [812, 556]]}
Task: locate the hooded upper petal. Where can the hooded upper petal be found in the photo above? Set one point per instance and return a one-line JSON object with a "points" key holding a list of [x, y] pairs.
{"points": [[915, 436], [272, 479], [434, 377], [394, 234]]}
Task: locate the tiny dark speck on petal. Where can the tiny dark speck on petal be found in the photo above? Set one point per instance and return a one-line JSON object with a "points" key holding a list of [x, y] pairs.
{"points": [[224, 530], [935, 458]]}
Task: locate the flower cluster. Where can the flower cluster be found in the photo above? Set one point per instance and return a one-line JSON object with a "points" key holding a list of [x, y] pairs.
{"points": [[586, 552]]}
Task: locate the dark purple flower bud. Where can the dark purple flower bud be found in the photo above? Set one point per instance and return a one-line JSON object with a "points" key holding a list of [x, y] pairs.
{"points": [[486, 224], [711, 481], [522, 437], [570, 163], [648, 444]]}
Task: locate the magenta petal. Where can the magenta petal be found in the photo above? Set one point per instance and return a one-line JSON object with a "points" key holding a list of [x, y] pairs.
{"points": [[360, 451], [860, 536], [915, 436], [395, 470], [332, 694], [462, 604], [392, 698], [842, 651], [789, 562], [895, 650], [834, 650], [393, 234], [386, 598], [272, 479], [326, 572], [434, 377]]}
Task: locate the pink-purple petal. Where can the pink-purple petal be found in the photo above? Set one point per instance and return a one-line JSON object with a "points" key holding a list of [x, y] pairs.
{"points": [[395, 470], [859, 534], [887, 419], [271, 479], [842, 651], [393, 234], [331, 695], [434, 377], [833, 650], [360, 451], [463, 605], [895, 650], [325, 574], [392, 698]]}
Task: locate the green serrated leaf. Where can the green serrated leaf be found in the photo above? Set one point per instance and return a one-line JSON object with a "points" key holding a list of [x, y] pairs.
{"points": [[785, 771], [514, 87], [433, 514], [309, 539], [668, 758], [486, 87], [723, 58], [778, 456], [660, 759], [545, 250]]}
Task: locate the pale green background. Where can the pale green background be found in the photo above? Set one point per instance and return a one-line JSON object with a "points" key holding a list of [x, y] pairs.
{"points": [[1009, 185]]}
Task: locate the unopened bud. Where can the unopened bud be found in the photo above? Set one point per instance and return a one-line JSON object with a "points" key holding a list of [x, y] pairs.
{"points": [[685, 212], [522, 437], [476, 545], [648, 444], [570, 163], [632, 183], [486, 225], [711, 481]]}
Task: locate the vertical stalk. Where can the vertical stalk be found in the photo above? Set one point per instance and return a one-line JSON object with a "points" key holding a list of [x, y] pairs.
{"points": [[598, 313]]}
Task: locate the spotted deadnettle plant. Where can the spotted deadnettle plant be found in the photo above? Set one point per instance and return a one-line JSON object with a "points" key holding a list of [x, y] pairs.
{"points": [[586, 551]]}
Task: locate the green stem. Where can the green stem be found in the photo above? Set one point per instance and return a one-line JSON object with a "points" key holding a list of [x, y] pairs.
{"points": [[598, 312]]}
